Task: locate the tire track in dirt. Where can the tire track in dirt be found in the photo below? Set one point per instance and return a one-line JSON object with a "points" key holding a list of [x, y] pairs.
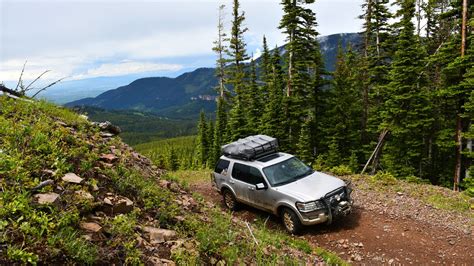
{"points": [[369, 237]]}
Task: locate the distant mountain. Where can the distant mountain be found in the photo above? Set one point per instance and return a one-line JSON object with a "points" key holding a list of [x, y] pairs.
{"points": [[185, 95], [165, 96]]}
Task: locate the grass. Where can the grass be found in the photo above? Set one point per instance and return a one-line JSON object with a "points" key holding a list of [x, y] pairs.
{"points": [[438, 197], [31, 139], [189, 177]]}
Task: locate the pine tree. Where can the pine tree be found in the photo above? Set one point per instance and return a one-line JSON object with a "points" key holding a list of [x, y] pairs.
{"points": [[453, 64], [468, 181], [406, 111], [273, 115], [172, 160], [377, 54], [344, 107], [304, 147], [255, 101], [238, 126], [266, 62], [220, 49], [210, 140], [220, 130], [299, 24], [332, 158], [202, 140]]}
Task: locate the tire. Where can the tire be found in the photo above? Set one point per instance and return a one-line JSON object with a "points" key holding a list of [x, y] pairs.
{"points": [[290, 221], [229, 200]]}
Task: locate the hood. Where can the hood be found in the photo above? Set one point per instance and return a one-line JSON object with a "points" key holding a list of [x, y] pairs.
{"points": [[312, 187]]}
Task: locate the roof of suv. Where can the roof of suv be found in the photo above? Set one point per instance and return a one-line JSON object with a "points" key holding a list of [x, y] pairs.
{"points": [[263, 162]]}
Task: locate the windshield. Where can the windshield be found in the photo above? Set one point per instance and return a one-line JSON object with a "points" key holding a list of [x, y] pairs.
{"points": [[287, 171]]}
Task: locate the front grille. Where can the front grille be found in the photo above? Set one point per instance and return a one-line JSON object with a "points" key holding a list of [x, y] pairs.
{"points": [[334, 197]]}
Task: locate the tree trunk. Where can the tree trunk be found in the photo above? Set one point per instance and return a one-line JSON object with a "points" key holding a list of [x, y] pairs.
{"points": [[457, 168]]}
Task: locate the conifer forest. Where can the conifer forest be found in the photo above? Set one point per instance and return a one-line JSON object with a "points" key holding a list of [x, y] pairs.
{"points": [[401, 101]]}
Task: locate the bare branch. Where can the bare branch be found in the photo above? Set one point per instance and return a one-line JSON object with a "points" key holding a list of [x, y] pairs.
{"points": [[26, 89], [52, 84], [21, 75]]}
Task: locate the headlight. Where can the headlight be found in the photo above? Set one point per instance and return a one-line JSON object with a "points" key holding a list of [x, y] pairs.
{"points": [[310, 206]]}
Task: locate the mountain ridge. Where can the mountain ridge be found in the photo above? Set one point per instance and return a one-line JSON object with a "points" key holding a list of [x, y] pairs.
{"points": [[185, 95]]}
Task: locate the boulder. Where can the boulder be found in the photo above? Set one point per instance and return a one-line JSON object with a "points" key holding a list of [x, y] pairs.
{"points": [[117, 205], [109, 127], [106, 135], [158, 235], [72, 178], [108, 158], [46, 198], [84, 195]]}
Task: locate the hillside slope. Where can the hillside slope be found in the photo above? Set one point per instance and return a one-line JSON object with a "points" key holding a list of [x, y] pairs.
{"points": [[71, 193]]}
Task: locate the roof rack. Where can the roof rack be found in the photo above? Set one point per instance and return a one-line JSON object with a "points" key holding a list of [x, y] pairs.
{"points": [[251, 148]]}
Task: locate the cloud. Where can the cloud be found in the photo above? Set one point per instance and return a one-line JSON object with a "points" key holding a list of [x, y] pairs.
{"points": [[82, 38], [125, 68], [257, 54]]}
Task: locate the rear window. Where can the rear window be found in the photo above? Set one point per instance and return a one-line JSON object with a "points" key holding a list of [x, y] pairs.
{"points": [[221, 166]]}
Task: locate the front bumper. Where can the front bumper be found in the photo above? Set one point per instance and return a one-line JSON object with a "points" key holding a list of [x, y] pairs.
{"points": [[343, 208], [338, 203]]}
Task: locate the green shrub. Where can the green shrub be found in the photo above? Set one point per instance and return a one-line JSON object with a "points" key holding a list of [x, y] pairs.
{"points": [[17, 254], [319, 164], [341, 170], [416, 180], [384, 178]]}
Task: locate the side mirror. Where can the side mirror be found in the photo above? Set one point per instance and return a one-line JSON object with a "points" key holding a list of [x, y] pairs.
{"points": [[260, 186]]}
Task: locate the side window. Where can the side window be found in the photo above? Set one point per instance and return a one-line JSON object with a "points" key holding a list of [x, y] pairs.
{"points": [[255, 176], [247, 174], [240, 171], [222, 165]]}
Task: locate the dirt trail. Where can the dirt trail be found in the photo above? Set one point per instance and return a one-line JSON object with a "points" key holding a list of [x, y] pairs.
{"points": [[371, 237]]}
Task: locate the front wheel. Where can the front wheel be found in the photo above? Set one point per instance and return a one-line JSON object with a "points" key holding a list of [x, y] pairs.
{"points": [[229, 200], [291, 221]]}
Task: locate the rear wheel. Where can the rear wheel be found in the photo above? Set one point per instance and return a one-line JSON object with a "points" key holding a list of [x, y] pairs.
{"points": [[291, 221], [229, 200]]}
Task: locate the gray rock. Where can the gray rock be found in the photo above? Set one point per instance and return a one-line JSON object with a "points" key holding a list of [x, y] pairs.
{"points": [[72, 178], [117, 205], [46, 198], [159, 235], [108, 158], [84, 194]]}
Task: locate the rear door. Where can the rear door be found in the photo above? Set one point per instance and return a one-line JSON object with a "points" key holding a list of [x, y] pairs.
{"points": [[239, 181], [245, 178]]}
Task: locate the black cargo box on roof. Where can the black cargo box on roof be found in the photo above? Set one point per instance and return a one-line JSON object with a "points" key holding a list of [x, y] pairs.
{"points": [[251, 148]]}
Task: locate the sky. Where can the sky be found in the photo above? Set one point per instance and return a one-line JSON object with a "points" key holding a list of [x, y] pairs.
{"points": [[82, 39]]}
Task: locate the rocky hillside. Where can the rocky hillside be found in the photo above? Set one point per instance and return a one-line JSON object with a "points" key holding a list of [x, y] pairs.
{"points": [[72, 192]]}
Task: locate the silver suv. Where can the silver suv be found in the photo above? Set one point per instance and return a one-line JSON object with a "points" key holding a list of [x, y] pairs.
{"points": [[283, 185]]}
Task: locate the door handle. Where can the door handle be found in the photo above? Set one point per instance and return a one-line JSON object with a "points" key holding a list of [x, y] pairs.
{"points": [[251, 188], [231, 181]]}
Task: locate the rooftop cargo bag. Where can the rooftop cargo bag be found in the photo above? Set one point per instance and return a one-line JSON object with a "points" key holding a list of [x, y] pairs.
{"points": [[251, 148]]}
